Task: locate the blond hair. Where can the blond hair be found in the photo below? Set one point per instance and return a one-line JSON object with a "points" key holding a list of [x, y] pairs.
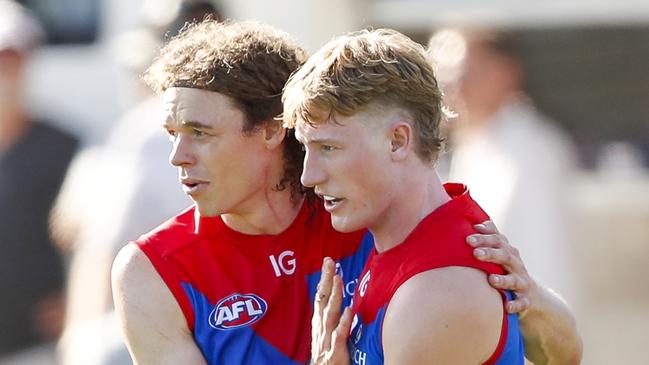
{"points": [[356, 69]]}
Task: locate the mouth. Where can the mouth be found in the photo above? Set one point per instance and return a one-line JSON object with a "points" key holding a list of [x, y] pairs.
{"points": [[193, 187], [332, 203]]}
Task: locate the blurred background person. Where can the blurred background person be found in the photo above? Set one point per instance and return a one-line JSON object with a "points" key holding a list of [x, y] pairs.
{"points": [[34, 156], [124, 187], [516, 161]]}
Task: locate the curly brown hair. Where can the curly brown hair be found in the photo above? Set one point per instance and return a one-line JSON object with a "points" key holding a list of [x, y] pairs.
{"points": [[247, 61], [350, 72]]}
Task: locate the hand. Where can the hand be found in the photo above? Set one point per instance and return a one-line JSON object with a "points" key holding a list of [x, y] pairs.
{"points": [[329, 330], [492, 246]]}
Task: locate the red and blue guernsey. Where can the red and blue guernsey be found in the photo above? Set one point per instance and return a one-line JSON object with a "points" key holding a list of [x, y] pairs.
{"points": [[438, 241], [249, 299]]}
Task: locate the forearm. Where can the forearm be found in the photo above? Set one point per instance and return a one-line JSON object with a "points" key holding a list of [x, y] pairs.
{"points": [[550, 330], [547, 323]]}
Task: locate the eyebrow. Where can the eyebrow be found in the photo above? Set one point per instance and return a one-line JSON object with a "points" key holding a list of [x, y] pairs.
{"points": [[187, 124], [320, 141], [194, 124]]}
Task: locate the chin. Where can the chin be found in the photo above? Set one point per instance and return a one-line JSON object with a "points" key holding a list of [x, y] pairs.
{"points": [[345, 225]]}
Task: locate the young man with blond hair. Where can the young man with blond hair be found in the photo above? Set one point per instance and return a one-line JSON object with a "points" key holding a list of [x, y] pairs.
{"points": [[232, 279], [368, 109]]}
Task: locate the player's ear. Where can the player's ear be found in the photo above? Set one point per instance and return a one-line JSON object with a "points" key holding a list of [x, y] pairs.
{"points": [[274, 133], [401, 140]]}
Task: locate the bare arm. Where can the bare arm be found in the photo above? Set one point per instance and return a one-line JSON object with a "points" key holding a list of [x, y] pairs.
{"points": [[547, 324], [152, 322], [443, 316], [550, 331]]}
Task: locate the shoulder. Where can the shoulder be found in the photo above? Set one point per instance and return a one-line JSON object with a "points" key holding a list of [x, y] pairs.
{"points": [[135, 280], [130, 263], [445, 315], [171, 235], [152, 322]]}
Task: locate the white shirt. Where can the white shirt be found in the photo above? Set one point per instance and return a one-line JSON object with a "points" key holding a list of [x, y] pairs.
{"points": [[516, 166]]}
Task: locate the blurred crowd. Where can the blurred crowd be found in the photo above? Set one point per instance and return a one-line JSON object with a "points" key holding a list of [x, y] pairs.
{"points": [[66, 210], [34, 157]]}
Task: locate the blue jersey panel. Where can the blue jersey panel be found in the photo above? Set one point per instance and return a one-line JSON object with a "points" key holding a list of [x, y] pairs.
{"points": [[351, 268], [230, 346], [365, 344], [514, 347]]}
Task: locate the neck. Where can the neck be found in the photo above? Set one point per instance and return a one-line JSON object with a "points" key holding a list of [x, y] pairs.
{"points": [[418, 194], [267, 210], [271, 216]]}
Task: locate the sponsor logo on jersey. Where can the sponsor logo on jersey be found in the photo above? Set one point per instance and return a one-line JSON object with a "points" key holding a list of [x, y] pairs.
{"points": [[357, 329], [349, 286], [284, 264], [236, 311], [364, 281], [359, 357]]}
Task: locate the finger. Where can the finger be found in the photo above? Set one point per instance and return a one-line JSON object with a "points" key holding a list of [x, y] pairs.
{"points": [[487, 227], [318, 346], [345, 323], [485, 240], [521, 300], [504, 282], [509, 282], [325, 284], [339, 351], [518, 305], [332, 310], [493, 255], [501, 256]]}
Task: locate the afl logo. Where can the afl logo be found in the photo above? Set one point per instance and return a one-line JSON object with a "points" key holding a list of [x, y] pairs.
{"points": [[237, 310]]}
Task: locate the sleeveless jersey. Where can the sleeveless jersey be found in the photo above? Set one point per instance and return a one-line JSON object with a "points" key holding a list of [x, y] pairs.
{"points": [[248, 299], [437, 241]]}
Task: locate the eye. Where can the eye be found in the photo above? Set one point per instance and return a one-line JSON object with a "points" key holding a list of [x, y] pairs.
{"points": [[327, 148], [198, 133], [171, 133]]}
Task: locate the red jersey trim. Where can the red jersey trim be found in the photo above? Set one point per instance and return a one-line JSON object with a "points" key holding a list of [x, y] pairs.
{"points": [[503, 335], [171, 278]]}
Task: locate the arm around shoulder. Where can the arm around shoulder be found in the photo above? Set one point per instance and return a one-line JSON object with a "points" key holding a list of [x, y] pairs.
{"points": [[153, 325], [547, 324], [550, 330], [443, 316]]}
